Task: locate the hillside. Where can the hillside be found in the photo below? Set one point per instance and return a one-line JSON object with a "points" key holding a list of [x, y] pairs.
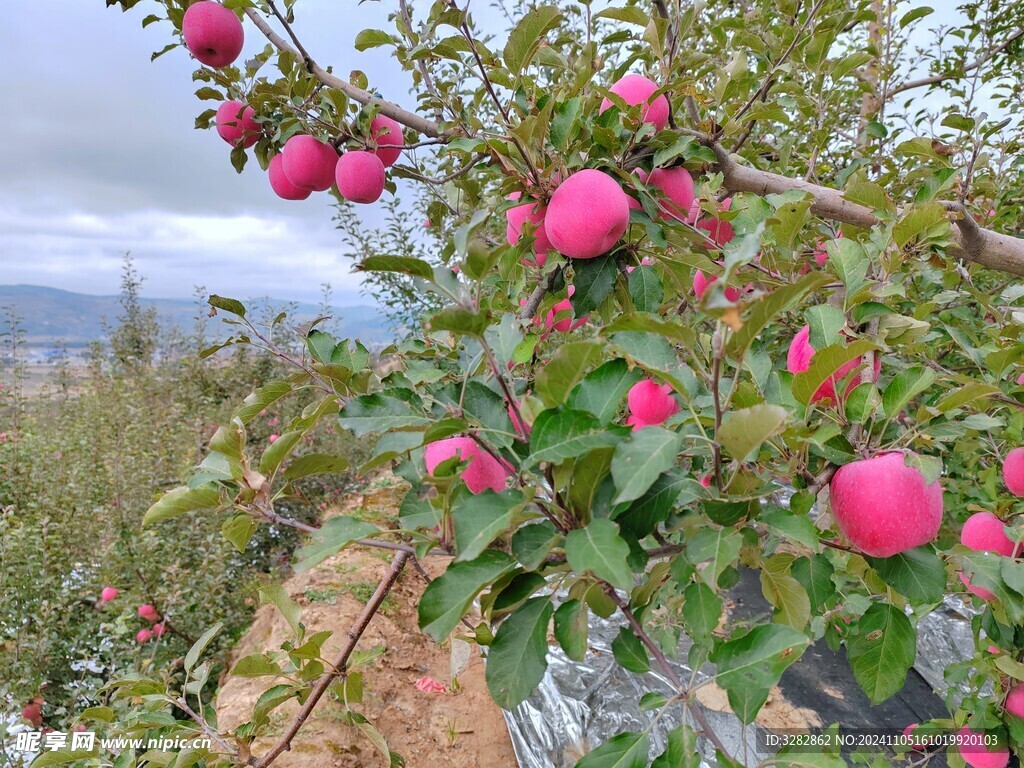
{"points": [[49, 314]]}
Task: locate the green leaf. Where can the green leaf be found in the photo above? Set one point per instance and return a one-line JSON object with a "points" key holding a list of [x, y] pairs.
{"points": [[372, 38], [681, 749], [785, 592], [315, 464], [917, 574], [379, 413], [233, 306], [645, 289], [602, 390], [561, 434], [629, 652], [517, 658], [825, 322], [743, 431], [333, 536], [200, 645], [598, 548], [749, 666], [260, 399], [556, 379], [640, 460], [480, 518], [532, 543], [447, 598], [571, 629], [702, 610], [881, 649], [718, 547], [815, 573], [180, 501], [527, 36], [904, 387], [768, 307], [914, 14], [565, 119], [594, 281], [627, 750], [278, 596], [670, 490], [629, 14], [824, 364], [255, 665], [459, 320], [278, 451], [405, 265], [797, 527]]}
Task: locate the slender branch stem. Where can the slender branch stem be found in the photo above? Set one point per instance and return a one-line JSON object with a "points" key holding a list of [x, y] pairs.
{"points": [[960, 73], [338, 668]]}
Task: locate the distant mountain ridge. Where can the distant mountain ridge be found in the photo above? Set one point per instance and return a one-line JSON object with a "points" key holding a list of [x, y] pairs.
{"points": [[50, 314]]}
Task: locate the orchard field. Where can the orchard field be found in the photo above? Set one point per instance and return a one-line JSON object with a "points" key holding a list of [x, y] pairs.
{"points": [[684, 290]]}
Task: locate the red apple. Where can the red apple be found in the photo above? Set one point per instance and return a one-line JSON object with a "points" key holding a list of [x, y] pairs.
{"points": [[159, 629], [309, 163], [650, 404], [143, 636], [33, 712], [677, 186], [977, 755], [983, 532], [883, 506], [702, 281], [1013, 471], [212, 33], [518, 215], [388, 135], [799, 358], [483, 470], [637, 89], [360, 176], [280, 184], [108, 594], [587, 215], [236, 124], [1015, 700], [719, 230], [148, 612]]}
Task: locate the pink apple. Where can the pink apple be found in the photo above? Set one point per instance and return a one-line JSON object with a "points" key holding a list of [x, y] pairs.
{"points": [[212, 33], [650, 404], [360, 176], [33, 712], [309, 163], [236, 124], [983, 532], [566, 314], [483, 470], [908, 732], [148, 612], [108, 594], [587, 215], [637, 89], [1015, 700], [799, 357], [388, 135], [280, 184], [1013, 471], [143, 636], [883, 506], [518, 421], [159, 629], [702, 281], [821, 253], [719, 230], [533, 212], [677, 186], [977, 755]]}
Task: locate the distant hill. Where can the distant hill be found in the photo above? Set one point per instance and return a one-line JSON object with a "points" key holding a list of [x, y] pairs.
{"points": [[49, 314]]}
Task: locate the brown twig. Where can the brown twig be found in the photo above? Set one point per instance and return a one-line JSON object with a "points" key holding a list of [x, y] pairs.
{"points": [[339, 666], [980, 61]]}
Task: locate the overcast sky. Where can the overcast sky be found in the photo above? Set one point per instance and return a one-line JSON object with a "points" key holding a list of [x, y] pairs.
{"points": [[101, 157]]}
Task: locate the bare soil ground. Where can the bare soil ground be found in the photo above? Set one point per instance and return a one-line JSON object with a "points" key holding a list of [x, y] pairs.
{"points": [[451, 730]]}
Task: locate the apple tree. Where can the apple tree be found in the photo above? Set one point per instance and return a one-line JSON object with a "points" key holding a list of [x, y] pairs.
{"points": [[717, 286]]}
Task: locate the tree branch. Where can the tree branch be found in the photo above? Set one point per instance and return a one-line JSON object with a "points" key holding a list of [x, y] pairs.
{"points": [[935, 79], [338, 668]]}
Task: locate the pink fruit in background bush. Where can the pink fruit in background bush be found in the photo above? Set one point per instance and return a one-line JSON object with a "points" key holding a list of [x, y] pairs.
{"points": [[883, 506], [1013, 471], [108, 594], [650, 404], [587, 215], [309, 163], [236, 124], [360, 176], [280, 184], [821, 253], [533, 212], [1015, 700], [719, 230], [159, 629], [483, 470], [518, 423], [212, 33], [702, 281], [388, 135], [983, 532], [908, 732], [977, 755], [143, 636], [33, 712], [798, 360], [148, 612], [564, 310], [677, 186], [637, 89]]}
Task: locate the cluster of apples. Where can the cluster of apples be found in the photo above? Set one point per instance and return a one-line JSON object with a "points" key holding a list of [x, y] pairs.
{"points": [[150, 614], [214, 35]]}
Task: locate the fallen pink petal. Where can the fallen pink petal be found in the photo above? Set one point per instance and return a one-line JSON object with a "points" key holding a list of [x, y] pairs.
{"points": [[429, 685]]}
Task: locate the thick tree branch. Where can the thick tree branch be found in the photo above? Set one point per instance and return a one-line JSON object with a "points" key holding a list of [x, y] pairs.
{"points": [[339, 665], [935, 79], [395, 112]]}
